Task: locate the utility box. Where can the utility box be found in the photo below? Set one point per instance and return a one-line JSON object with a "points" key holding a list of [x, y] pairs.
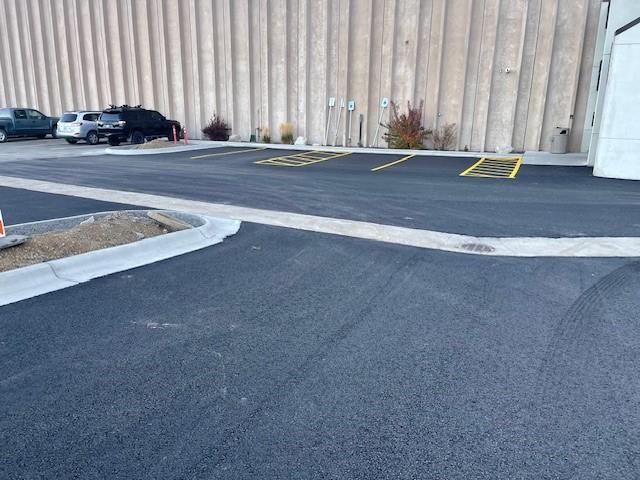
{"points": [[559, 140]]}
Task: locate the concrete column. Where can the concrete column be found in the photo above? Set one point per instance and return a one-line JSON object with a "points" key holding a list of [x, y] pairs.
{"points": [[504, 85], [317, 76], [485, 74], [474, 42], [361, 19], [240, 61], [454, 63], [434, 67], [374, 91], [537, 99], [564, 68], [302, 71], [265, 69], [141, 46], [277, 48], [17, 65]]}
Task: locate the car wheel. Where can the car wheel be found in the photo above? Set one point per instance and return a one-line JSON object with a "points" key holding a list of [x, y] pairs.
{"points": [[54, 132], [71, 140], [92, 138], [137, 137], [3, 136], [113, 141]]}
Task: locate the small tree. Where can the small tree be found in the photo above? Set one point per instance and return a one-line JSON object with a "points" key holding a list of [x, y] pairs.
{"points": [[405, 130], [444, 138], [217, 129]]}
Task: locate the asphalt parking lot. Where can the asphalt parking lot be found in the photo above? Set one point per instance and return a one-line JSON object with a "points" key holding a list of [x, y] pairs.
{"points": [[281, 353], [421, 192], [30, 148]]}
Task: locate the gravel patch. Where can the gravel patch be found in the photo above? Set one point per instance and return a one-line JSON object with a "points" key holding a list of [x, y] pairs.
{"points": [[94, 233], [157, 143]]}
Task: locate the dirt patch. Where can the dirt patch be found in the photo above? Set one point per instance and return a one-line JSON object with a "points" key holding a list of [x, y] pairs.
{"points": [[93, 234], [157, 143]]}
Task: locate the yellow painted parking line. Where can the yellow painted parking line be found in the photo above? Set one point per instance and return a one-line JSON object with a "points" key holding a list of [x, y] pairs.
{"points": [[517, 167], [227, 153], [301, 159], [391, 164], [494, 167]]}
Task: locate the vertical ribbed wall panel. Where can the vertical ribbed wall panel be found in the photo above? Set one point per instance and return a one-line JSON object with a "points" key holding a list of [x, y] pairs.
{"points": [[260, 63]]}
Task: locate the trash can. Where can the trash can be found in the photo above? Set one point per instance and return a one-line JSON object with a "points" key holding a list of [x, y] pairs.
{"points": [[559, 140]]}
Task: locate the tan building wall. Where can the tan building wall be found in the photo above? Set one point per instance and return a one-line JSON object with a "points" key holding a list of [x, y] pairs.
{"points": [[263, 62]]}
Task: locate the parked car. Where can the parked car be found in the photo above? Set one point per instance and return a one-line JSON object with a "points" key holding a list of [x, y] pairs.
{"points": [[134, 124], [25, 122], [74, 126]]}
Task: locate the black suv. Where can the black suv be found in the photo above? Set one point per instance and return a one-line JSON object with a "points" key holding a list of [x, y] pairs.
{"points": [[135, 124]]}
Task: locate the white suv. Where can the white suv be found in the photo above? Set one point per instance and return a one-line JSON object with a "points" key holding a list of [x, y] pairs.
{"points": [[74, 126]]}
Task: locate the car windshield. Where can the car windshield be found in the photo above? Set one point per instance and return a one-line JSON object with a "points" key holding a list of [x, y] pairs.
{"points": [[69, 117], [110, 117]]}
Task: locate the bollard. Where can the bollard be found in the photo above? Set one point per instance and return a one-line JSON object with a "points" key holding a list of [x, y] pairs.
{"points": [[175, 135], [186, 136]]}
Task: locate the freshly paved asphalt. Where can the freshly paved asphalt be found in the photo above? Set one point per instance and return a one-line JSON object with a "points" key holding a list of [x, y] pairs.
{"points": [[424, 192], [289, 354], [21, 206]]}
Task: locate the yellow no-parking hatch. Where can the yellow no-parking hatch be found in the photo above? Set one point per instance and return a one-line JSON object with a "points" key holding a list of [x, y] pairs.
{"points": [[301, 159], [494, 167]]}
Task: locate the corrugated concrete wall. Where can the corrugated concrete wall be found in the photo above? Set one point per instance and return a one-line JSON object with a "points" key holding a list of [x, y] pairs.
{"points": [[259, 63]]}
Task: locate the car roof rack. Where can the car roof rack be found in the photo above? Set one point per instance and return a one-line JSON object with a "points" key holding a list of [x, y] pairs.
{"points": [[124, 107]]}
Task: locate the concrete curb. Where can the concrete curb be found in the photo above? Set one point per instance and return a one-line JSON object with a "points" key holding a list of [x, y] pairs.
{"points": [[385, 151], [207, 144], [528, 158], [568, 247], [131, 150], [34, 280]]}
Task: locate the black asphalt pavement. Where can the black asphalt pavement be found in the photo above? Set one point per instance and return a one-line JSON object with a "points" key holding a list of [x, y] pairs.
{"points": [[423, 192], [21, 206], [289, 354]]}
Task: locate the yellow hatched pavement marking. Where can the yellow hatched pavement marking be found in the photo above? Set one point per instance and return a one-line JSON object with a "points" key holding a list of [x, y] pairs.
{"points": [[390, 164], [227, 153], [301, 159], [494, 167]]}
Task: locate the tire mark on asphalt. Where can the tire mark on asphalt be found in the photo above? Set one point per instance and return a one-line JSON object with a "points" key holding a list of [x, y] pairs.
{"points": [[212, 461]]}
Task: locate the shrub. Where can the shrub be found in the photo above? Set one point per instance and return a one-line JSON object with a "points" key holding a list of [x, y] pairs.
{"points": [[405, 130], [265, 134], [286, 133], [444, 138], [217, 129]]}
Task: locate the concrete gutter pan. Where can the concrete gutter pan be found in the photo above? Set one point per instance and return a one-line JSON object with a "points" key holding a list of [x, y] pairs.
{"points": [[207, 144], [132, 150], [41, 278], [529, 158]]}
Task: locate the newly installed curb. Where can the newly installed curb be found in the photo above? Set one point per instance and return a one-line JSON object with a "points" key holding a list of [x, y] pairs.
{"points": [[385, 151], [208, 144], [34, 280], [132, 150]]}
